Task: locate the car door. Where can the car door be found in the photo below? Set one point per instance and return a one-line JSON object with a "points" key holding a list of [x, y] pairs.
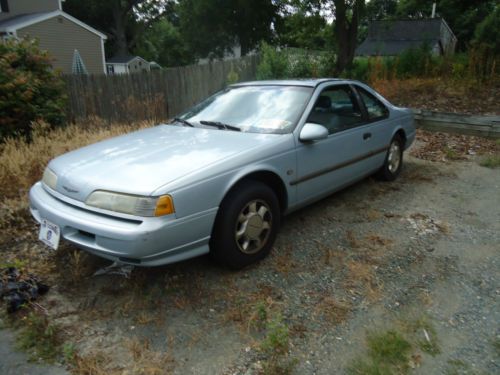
{"points": [[329, 164], [380, 126]]}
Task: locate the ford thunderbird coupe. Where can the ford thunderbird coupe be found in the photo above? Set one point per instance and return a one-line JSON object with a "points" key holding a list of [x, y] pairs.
{"points": [[219, 178]]}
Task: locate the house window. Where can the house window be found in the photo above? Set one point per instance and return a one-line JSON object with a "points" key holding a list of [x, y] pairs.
{"points": [[111, 69], [78, 65], [4, 6]]}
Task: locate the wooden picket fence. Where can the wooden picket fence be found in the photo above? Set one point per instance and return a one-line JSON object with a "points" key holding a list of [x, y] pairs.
{"points": [[156, 95]]}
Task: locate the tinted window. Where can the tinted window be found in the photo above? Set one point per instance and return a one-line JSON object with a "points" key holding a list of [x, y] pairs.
{"points": [[336, 109], [259, 109], [375, 108]]}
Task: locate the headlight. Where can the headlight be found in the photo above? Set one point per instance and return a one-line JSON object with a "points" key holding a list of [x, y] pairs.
{"points": [[49, 178], [132, 204]]}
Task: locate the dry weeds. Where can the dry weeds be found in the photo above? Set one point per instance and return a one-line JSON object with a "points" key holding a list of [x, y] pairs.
{"points": [[444, 146], [282, 260], [443, 95], [333, 310], [22, 164]]}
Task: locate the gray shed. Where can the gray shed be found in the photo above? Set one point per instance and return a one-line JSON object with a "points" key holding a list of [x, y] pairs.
{"points": [[392, 37], [127, 64]]}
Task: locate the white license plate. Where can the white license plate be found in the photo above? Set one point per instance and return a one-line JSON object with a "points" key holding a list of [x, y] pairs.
{"points": [[49, 234]]}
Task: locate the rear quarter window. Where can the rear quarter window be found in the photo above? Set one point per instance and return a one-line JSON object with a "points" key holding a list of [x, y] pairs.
{"points": [[375, 108]]}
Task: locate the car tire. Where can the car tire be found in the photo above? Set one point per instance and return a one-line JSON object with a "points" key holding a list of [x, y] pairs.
{"points": [[246, 225], [393, 162]]}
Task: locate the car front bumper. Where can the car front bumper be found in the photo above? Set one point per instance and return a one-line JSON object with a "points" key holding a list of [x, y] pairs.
{"points": [[145, 241]]}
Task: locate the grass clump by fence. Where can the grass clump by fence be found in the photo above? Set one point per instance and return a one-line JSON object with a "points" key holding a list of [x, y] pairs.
{"points": [[477, 65]]}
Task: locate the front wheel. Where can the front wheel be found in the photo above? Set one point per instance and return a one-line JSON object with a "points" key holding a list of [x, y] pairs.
{"points": [[246, 225], [393, 161]]}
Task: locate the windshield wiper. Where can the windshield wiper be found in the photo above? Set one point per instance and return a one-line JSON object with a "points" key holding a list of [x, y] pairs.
{"points": [[220, 125], [184, 122]]}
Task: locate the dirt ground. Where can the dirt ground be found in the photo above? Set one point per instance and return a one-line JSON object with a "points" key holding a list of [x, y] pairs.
{"points": [[418, 256]]}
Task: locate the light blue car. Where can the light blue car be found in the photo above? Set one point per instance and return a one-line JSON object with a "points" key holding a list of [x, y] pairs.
{"points": [[220, 177]]}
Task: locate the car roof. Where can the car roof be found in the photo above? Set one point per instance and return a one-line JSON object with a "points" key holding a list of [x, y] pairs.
{"points": [[292, 82]]}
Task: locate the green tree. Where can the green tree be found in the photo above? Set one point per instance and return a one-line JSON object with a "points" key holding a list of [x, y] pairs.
{"points": [[124, 21], [302, 30], [488, 31], [30, 90], [381, 9], [347, 16], [213, 27], [163, 43]]}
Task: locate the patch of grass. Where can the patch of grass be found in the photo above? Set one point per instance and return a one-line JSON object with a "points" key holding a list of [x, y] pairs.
{"points": [[388, 353], [279, 366], [39, 338], [20, 264], [91, 365], [451, 154], [389, 347], [275, 345], [492, 161], [277, 336], [69, 352], [459, 367], [496, 345], [425, 335]]}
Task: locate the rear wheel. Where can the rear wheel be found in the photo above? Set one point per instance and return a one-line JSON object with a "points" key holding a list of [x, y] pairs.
{"points": [[246, 225], [393, 161]]}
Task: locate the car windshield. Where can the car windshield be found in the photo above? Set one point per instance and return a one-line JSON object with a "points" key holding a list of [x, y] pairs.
{"points": [[256, 109]]}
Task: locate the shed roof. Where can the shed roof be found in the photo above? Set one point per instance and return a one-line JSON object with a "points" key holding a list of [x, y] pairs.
{"points": [[122, 59], [391, 37]]}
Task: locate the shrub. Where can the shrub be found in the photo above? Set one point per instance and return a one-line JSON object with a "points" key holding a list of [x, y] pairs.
{"points": [[359, 70], [232, 77], [414, 62], [301, 66], [29, 88], [273, 64], [327, 65]]}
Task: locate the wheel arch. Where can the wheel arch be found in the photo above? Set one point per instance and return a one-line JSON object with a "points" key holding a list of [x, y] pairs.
{"points": [[268, 177], [401, 133]]}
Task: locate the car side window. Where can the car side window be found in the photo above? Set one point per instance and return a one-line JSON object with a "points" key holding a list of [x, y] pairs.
{"points": [[376, 110], [336, 109]]}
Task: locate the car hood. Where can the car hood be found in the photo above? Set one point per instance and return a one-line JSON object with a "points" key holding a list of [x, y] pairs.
{"points": [[142, 161]]}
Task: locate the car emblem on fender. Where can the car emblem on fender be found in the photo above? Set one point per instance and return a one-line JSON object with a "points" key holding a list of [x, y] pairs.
{"points": [[69, 190]]}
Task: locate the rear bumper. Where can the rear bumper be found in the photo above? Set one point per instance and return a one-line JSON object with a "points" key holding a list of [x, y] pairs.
{"points": [[145, 241]]}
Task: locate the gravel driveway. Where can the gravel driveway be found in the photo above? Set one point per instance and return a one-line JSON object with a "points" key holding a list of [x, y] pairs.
{"points": [[375, 257]]}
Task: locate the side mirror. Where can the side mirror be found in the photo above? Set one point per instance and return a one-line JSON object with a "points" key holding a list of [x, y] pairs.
{"points": [[313, 132]]}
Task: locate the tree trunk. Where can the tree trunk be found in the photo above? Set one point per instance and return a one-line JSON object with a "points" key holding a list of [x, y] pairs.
{"points": [[119, 31], [346, 33]]}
